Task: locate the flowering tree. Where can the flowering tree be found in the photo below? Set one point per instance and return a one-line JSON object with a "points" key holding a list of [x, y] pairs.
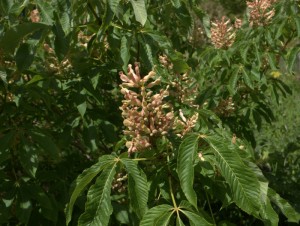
{"points": [[152, 105]]}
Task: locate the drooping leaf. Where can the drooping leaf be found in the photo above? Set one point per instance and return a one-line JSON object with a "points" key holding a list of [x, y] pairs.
{"points": [[46, 11], [241, 179], [185, 166], [5, 142], [84, 179], [23, 206], [284, 206], [28, 158], [98, 207], [17, 8], [297, 22], [153, 214], [14, 35], [113, 4], [137, 187], [247, 79], [176, 3], [233, 80], [4, 213], [196, 219], [179, 221], [140, 11], [292, 56], [125, 53], [45, 141], [24, 57]]}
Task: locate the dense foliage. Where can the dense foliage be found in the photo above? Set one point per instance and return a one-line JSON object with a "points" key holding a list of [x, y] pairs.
{"points": [[139, 112]]}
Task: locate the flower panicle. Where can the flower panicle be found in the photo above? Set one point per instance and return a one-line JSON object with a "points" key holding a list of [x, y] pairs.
{"points": [[145, 113], [261, 12], [222, 33]]}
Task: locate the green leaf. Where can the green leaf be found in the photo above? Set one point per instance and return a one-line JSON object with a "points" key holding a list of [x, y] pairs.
{"points": [[247, 79], [46, 11], [23, 206], [5, 142], [3, 77], [179, 64], [28, 158], [233, 80], [84, 179], [113, 4], [82, 108], [284, 206], [4, 213], [297, 22], [45, 142], [240, 177], [179, 221], [98, 207], [14, 35], [272, 61], [140, 11], [24, 57], [137, 187], [61, 42], [292, 56], [125, 53], [176, 3], [196, 219], [18, 7], [153, 215], [185, 167]]}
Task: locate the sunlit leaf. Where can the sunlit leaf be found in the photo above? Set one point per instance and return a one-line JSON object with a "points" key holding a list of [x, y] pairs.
{"points": [[137, 186], [185, 166], [98, 207], [140, 11], [84, 179]]}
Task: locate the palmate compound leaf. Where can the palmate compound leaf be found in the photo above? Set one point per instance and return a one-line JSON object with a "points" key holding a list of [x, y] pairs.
{"points": [[84, 179], [137, 187], [185, 166], [284, 206], [240, 177], [153, 216], [98, 207]]}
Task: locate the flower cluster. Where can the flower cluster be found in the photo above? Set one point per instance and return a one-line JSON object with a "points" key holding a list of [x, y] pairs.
{"points": [[182, 125], [145, 114], [222, 35], [261, 12], [35, 16]]}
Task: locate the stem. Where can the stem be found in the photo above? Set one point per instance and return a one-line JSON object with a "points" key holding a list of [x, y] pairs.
{"points": [[211, 212], [170, 185]]}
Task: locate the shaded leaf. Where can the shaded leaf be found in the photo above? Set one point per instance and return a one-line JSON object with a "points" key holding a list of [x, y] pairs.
{"points": [[45, 142], [5, 142], [284, 206], [28, 158], [24, 57], [14, 35]]}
